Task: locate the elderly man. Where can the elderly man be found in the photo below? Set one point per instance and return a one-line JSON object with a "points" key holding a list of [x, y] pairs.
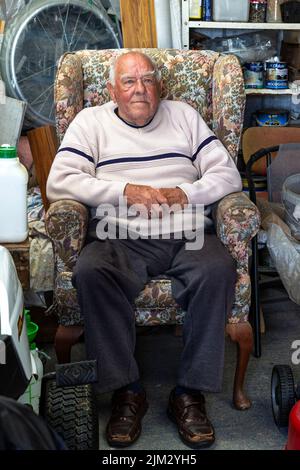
{"points": [[157, 154]]}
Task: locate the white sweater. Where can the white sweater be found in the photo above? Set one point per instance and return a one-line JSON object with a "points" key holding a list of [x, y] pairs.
{"points": [[100, 154]]}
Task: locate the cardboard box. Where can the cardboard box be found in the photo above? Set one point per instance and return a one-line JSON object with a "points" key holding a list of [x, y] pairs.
{"points": [[290, 53]]}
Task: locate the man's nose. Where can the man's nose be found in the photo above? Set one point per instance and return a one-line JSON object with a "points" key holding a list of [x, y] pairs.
{"points": [[140, 87]]}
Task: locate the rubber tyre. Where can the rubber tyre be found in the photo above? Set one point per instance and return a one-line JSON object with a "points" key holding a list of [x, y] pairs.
{"points": [[282, 394], [72, 413]]}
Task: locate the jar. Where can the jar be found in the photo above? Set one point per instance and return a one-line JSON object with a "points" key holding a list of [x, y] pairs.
{"points": [[273, 11], [257, 13]]}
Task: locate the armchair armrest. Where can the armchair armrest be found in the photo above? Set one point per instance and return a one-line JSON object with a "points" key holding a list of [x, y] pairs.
{"points": [[66, 224], [237, 222], [228, 102]]}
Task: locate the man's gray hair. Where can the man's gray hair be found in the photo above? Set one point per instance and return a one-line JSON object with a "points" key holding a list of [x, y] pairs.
{"points": [[116, 58]]}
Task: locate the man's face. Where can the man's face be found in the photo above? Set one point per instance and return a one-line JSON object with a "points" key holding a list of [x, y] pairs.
{"points": [[136, 90]]}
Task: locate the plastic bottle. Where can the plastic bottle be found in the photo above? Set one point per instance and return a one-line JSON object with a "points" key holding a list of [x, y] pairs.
{"points": [[32, 394], [13, 197]]}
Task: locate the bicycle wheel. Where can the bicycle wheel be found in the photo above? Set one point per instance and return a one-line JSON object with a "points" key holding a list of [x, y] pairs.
{"points": [[34, 41]]}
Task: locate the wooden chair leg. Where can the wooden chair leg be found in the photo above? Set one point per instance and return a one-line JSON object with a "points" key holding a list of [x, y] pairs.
{"points": [[178, 331], [242, 334], [65, 338]]}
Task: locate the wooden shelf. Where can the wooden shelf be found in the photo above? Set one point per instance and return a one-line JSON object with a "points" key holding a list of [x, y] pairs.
{"points": [[267, 91]]}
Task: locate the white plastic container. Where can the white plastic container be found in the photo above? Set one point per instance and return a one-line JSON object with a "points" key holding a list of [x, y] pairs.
{"points": [[13, 197], [12, 321], [231, 10], [32, 394]]}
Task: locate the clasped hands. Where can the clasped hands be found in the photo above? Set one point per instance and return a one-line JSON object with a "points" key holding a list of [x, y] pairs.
{"points": [[149, 200]]}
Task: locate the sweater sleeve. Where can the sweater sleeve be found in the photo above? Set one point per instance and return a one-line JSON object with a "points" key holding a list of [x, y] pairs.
{"points": [[218, 175], [73, 174]]}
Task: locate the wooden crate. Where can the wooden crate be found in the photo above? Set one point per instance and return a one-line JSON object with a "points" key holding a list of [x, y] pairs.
{"points": [[43, 144], [20, 254], [12, 113]]}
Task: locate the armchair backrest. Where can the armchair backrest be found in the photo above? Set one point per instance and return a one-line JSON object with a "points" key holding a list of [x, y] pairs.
{"points": [[210, 82]]}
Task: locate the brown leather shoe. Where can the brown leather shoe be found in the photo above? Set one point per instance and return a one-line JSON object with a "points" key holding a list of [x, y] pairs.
{"points": [[188, 412], [125, 424]]}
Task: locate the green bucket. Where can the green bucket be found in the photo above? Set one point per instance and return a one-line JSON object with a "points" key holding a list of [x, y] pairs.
{"points": [[32, 328]]}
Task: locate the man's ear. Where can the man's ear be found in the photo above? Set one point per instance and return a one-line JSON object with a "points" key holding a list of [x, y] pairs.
{"points": [[111, 92]]}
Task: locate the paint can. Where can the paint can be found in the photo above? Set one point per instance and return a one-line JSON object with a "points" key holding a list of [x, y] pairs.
{"points": [[276, 75], [272, 117], [254, 74]]}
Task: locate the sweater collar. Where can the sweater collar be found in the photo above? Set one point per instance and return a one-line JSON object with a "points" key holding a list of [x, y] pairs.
{"points": [[116, 111]]}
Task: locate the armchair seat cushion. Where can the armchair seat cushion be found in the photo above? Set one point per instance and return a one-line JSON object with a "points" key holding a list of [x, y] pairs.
{"points": [[154, 306]]}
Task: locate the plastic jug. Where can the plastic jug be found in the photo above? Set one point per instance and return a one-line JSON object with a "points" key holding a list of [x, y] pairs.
{"points": [[13, 197]]}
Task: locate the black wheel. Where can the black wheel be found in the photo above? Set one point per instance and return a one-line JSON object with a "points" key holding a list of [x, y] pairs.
{"points": [[282, 394], [72, 413]]}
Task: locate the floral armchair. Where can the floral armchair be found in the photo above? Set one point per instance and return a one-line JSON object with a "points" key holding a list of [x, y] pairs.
{"points": [[213, 84]]}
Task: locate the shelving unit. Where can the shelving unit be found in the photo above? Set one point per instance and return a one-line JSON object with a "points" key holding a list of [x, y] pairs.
{"points": [[187, 25], [257, 97], [242, 25], [267, 91]]}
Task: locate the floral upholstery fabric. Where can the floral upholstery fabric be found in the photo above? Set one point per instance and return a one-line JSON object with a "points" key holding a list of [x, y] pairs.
{"points": [[66, 223], [228, 102], [236, 221], [213, 84], [155, 304]]}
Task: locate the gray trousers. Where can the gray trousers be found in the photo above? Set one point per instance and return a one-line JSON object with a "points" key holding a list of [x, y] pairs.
{"points": [[110, 274]]}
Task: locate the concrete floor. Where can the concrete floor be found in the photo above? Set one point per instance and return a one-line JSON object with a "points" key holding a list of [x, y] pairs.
{"points": [[158, 352]]}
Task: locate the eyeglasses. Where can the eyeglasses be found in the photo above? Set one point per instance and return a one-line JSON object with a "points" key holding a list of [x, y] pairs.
{"points": [[147, 80]]}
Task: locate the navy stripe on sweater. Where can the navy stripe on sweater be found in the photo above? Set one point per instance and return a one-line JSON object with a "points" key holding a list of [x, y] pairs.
{"points": [[204, 144], [142, 159], [137, 159], [78, 152]]}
